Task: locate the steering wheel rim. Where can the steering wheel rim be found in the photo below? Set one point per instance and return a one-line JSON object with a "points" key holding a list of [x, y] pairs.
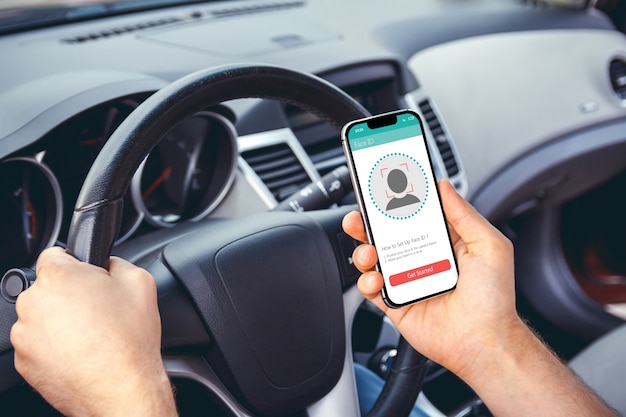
{"points": [[98, 211]]}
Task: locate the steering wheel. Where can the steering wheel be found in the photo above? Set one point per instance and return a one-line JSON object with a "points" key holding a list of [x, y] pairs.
{"points": [[264, 327]]}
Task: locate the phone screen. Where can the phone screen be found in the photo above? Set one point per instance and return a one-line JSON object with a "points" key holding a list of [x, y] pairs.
{"points": [[397, 191]]}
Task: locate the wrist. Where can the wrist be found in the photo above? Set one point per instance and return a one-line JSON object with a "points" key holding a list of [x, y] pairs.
{"points": [[149, 394], [494, 351]]}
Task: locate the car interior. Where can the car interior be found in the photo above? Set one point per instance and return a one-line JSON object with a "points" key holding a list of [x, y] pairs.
{"points": [[201, 141]]}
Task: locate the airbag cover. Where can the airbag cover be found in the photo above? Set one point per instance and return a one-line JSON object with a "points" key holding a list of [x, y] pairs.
{"points": [[270, 294], [294, 310]]}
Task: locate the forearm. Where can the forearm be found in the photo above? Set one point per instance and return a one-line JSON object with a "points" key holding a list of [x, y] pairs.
{"points": [[145, 392], [518, 375]]}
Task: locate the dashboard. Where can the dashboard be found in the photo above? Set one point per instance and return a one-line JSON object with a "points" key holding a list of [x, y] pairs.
{"points": [[524, 104], [84, 79]]}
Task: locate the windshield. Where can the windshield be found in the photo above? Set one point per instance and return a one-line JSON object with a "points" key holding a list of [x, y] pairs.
{"points": [[17, 15]]}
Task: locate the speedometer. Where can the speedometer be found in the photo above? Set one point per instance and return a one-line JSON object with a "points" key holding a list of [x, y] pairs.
{"points": [[189, 171], [30, 203], [71, 149]]}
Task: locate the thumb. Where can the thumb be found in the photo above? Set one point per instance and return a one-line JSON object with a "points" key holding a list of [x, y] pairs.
{"points": [[465, 220]]}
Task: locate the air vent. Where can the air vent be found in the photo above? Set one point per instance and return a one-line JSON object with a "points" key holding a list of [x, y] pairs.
{"points": [[123, 30], [439, 134], [617, 72], [326, 155], [279, 168]]}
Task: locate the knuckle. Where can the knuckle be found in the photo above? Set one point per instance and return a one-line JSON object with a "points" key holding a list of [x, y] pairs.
{"points": [[47, 269], [22, 303], [18, 341], [145, 280]]}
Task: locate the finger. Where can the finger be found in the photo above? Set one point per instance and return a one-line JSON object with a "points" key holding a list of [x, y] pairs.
{"points": [[131, 276], [121, 267], [370, 284], [353, 225], [365, 257], [56, 264], [54, 255]]}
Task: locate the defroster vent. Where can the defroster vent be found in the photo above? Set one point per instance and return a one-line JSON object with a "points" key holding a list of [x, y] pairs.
{"points": [[279, 168]]}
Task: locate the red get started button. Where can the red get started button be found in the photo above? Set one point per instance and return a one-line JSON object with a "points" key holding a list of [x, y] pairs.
{"points": [[421, 272]]}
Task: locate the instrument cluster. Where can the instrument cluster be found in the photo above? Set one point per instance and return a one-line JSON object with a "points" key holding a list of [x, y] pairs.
{"points": [[183, 178]]}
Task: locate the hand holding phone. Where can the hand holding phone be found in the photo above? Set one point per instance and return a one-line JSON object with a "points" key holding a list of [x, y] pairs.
{"points": [[394, 181]]}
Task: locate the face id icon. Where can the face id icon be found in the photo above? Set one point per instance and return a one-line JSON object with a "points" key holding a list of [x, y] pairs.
{"points": [[398, 186]]}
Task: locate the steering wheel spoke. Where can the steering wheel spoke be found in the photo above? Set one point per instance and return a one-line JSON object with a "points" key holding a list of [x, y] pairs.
{"points": [[342, 400], [196, 369]]}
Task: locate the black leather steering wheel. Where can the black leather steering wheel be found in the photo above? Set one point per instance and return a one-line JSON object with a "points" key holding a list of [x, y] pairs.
{"points": [[275, 316]]}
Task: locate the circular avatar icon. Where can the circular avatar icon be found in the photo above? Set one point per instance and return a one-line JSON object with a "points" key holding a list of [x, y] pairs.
{"points": [[398, 186]]}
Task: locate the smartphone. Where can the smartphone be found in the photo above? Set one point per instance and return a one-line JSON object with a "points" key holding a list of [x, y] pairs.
{"points": [[396, 189]]}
